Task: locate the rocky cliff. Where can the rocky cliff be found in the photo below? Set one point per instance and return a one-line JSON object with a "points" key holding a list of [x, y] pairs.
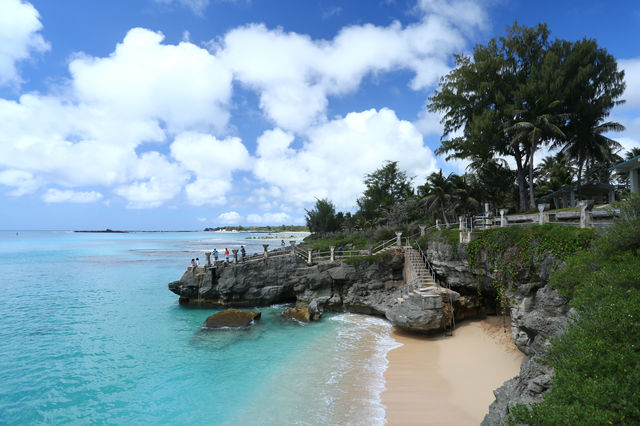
{"points": [[538, 313], [364, 287], [373, 285]]}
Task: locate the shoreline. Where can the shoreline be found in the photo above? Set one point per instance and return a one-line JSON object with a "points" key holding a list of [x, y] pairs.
{"points": [[444, 380]]}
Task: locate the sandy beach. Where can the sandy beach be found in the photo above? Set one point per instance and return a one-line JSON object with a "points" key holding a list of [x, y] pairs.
{"points": [[449, 380]]}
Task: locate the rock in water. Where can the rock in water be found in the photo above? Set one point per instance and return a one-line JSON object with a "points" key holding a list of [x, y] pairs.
{"points": [[301, 315], [303, 311], [231, 318]]}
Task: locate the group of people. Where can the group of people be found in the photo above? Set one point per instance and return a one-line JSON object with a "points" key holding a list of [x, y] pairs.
{"points": [[243, 254]]}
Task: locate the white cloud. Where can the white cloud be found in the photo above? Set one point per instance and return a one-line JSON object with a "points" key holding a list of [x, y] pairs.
{"points": [[333, 161], [631, 94], [295, 74], [96, 130], [269, 219], [67, 196], [154, 181], [19, 37], [89, 133], [197, 6], [181, 85], [21, 181], [428, 123], [230, 218], [212, 161]]}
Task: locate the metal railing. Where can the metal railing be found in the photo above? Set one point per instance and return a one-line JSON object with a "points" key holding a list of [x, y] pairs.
{"points": [[383, 245]]}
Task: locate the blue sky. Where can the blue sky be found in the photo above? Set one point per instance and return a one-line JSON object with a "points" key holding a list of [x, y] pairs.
{"points": [[182, 114]]}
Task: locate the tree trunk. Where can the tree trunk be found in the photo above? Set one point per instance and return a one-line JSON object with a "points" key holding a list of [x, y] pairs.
{"points": [[520, 179], [532, 199], [580, 165], [444, 216]]}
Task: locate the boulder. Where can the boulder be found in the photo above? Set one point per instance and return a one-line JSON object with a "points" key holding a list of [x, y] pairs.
{"points": [[303, 312], [233, 318], [297, 314]]}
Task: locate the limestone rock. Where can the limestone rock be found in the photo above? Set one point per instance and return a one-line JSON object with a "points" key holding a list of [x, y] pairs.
{"points": [[303, 311], [299, 314], [233, 318], [418, 312]]}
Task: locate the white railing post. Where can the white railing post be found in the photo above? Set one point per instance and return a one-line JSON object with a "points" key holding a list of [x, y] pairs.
{"points": [[332, 249], [541, 214], [293, 248], [586, 217], [422, 229], [461, 223], [399, 239], [309, 258], [438, 224], [503, 218]]}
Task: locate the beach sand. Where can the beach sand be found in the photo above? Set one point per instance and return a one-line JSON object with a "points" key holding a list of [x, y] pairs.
{"points": [[449, 380]]}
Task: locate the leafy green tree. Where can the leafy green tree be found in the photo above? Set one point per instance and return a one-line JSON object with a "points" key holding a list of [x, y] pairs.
{"points": [[492, 181], [553, 173], [592, 146], [322, 217], [439, 192], [592, 85], [464, 197], [632, 153], [539, 125], [481, 97], [384, 187]]}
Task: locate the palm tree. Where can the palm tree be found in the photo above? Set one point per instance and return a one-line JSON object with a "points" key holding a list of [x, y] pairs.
{"points": [[537, 127], [463, 196], [632, 153], [590, 146], [438, 192], [553, 173]]}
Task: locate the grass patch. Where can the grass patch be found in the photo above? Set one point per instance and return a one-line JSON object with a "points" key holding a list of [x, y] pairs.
{"points": [[374, 258]]}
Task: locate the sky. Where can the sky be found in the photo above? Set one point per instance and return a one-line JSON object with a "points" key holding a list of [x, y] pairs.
{"points": [[186, 114]]}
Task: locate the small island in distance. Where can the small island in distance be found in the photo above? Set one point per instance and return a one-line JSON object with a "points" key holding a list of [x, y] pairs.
{"points": [[268, 229]]}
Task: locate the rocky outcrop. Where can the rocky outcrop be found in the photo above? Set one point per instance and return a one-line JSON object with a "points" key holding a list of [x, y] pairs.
{"points": [[232, 318], [422, 311], [538, 314], [364, 287]]}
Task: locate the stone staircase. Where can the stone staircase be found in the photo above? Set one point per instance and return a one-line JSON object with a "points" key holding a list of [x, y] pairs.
{"points": [[422, 294], [418, 278]]}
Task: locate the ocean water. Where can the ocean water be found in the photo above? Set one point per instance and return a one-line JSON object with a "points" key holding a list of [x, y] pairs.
{"points": [[89, 333]]}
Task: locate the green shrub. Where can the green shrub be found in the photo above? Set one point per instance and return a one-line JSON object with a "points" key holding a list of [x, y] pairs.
{"points": [[513, 250], [597, 361]]}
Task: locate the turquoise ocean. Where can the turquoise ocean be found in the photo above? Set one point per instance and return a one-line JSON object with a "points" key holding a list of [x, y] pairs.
{"points": [[89, 333]]}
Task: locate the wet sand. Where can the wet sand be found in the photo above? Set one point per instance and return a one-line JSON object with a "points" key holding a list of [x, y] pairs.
{"points": [[449, 380]]}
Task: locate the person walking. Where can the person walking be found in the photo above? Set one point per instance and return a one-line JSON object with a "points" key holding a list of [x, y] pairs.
{"points": [[243, 252], [215, 254], [282, 244], [226, 254]]}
